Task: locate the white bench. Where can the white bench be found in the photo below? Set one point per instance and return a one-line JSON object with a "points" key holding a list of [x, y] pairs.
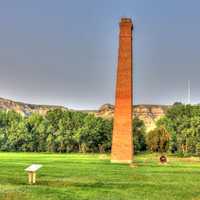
{"points": [[32, 169]]}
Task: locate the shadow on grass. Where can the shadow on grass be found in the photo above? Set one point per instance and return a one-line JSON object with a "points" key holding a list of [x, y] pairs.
{"points": [[13, 196], [95, 185], [13, 181]]}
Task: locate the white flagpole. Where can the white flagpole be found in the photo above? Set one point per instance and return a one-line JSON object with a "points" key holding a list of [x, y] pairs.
{"points": [[189, 92]]}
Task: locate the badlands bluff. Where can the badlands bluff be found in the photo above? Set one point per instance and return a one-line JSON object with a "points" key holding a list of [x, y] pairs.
{"points": [[148, 113]]}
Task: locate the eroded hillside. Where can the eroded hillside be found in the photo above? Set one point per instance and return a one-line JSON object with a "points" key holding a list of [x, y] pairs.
{"points": [[148, 113]]}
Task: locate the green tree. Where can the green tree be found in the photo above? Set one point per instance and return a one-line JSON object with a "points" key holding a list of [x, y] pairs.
{"points": [[139, 132], [157, 140], [183, 124], [37, 127]]}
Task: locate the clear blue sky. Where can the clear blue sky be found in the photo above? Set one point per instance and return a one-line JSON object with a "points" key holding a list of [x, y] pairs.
{"points": [[65, 51]]}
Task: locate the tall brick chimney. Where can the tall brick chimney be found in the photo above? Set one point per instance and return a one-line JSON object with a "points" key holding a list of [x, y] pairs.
{"points": [[122, 145]]}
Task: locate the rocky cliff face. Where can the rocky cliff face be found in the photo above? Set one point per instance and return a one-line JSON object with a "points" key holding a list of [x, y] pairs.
{"points": [[148, 113], [24, 108]]}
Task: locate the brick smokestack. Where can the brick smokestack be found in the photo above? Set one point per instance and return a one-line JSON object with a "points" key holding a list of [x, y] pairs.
{"points": [[122, 145]]}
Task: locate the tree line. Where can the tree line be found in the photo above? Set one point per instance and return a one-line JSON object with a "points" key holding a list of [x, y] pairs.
{"points": [[178, 131], [71, 131], [60, 131]]}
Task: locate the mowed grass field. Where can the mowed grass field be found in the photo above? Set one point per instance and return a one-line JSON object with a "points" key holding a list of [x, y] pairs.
{"points": [[93, 177]]}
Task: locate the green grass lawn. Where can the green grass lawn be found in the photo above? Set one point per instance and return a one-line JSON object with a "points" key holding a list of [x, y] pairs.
{"points": [[93, 177]]}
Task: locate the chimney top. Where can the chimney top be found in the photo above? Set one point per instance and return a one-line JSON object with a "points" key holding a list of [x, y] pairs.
{"points": [[126, 19]]}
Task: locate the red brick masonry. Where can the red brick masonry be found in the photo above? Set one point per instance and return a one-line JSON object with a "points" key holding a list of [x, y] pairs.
{"points": [[122, 147]]}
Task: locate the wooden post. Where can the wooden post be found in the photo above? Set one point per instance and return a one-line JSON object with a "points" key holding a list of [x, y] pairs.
{"points": [[30, 177], [34, 177]]}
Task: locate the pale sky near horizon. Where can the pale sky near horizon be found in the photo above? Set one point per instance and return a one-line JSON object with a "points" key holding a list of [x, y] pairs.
{"points": [[65, 52]]}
